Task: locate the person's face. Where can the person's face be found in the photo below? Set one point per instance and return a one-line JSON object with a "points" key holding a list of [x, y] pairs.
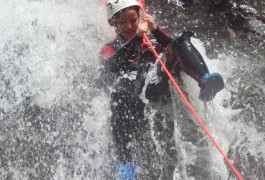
{"points": [[127, 22]]}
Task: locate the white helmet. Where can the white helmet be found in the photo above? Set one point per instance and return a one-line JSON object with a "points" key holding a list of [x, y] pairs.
{"points": [[114, 6]]}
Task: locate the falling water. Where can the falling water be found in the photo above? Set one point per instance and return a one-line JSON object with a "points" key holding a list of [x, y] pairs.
{"points": [[53, 119], [55, 116]]}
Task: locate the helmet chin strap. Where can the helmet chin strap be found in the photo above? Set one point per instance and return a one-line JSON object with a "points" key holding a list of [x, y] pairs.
{"points": [[142, 7], [141, 2]]}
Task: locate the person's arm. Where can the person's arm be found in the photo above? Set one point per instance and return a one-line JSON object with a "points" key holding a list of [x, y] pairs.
{"points": [[114, 60], [162, 38]]}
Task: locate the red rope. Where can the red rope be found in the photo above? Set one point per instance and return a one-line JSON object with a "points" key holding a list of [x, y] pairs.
{"points": [[193, 111], [187, 102], [104, 4]]}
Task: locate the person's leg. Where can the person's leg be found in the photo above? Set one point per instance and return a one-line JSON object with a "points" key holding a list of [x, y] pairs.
{"points": [[127, 122], [191, 61], [188, 57], [121, 121]]}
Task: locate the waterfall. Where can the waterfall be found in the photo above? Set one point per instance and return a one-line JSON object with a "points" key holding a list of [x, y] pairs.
{"points": [[53, 120], [54, 114]]}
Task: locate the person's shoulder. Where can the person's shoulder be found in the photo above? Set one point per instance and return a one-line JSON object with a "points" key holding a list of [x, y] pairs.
{"points": [[105, 52], [109, 46]]}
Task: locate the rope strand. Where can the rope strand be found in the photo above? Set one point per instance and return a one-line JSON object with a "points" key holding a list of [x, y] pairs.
{"points": [[145, 37], [193, 111], [188, 103]]}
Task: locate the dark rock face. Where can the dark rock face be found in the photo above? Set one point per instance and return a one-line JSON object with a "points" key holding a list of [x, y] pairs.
{"points": [[39, 142], [251, 100], [225, 24], [230, 26]]}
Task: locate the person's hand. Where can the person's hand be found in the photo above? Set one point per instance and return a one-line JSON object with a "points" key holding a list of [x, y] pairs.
{"points": [[142, 27], [151, 22]]}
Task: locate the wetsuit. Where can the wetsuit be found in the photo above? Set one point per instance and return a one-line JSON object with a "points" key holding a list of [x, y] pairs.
{"points": [[131, 62]]}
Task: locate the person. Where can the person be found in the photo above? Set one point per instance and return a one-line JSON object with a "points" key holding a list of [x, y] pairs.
{"points": [[130, 60]]}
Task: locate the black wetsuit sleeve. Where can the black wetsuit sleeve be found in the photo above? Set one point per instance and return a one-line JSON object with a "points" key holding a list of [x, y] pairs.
{"points": [[161, 37], [122, 55]]}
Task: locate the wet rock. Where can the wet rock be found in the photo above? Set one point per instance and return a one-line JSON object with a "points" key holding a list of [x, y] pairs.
{"points": [[224, 25], [261, 17], [251, 99], [227, 26], [245, 160]]}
